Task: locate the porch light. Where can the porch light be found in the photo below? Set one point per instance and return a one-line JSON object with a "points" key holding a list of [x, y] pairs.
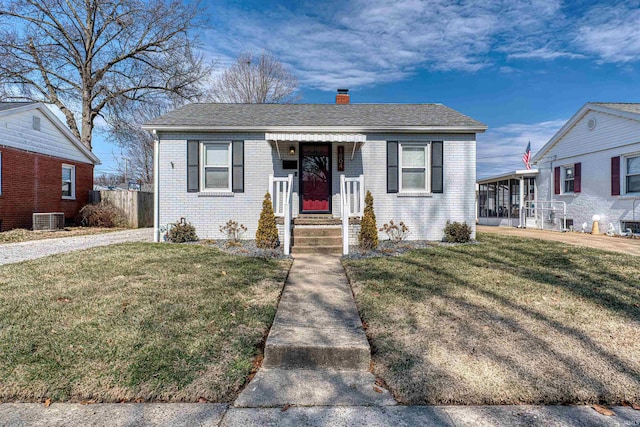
{"points": [[292, 150]]}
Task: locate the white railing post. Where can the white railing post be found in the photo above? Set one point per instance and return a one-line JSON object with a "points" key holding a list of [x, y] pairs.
{"points": [[345, 215], [287, 215]]}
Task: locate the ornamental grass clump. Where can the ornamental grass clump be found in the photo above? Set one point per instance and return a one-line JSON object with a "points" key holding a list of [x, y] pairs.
{"points": [[457, 232], [368, 237], [267, 232]]}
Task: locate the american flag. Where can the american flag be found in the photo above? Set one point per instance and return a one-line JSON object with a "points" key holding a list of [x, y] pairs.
{"points": [[526, 158]]}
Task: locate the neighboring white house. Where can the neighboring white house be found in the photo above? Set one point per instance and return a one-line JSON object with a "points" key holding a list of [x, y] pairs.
{"points": [[592, 164], [215, 162]]}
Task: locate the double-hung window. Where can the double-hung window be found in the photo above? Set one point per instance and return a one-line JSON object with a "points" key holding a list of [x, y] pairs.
{"points": [[68, 182], [632, 174], [216, 166], [414, 168], [568, 179]]}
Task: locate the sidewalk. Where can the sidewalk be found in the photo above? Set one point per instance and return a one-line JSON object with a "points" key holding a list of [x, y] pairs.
{"points": [[210, 414]]}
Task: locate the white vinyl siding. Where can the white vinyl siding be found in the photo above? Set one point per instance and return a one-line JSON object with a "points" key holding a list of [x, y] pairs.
{"points": [[216, 166], [68, 182], [414, 168], [632, 174]]}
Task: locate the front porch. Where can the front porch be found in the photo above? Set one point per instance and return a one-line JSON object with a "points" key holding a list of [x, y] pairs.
{"points": [[318, 232]]}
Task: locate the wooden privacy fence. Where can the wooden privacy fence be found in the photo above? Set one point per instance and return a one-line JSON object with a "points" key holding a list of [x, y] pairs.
{"points": [[137, 205]]}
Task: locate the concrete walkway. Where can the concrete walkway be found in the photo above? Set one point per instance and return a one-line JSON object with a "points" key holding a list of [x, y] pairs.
{"points": [[212, 414], [23, 251], [601, 241], [317, 352]]}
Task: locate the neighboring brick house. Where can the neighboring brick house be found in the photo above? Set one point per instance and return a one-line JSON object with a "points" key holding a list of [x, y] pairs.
{"points": [[43, 166], [215, 162]]}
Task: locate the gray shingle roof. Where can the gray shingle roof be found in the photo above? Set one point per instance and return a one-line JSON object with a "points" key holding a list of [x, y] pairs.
{"points": [[9, 105], [629, 107], [311, 115]]}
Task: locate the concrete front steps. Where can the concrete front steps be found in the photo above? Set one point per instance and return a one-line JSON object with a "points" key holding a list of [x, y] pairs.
{"points": [[316, 235], [317, 353]]}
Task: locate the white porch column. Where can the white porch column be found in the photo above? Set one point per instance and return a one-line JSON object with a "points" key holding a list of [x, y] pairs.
{"points": [[156, 188], [523, 213]]}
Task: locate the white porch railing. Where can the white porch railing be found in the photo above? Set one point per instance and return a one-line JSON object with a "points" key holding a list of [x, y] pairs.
{"points": [[352, 204], [281, 190], [548, 215]]}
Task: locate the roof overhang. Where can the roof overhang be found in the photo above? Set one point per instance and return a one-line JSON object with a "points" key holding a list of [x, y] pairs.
{"points": [[315, 129], [517, 174]]}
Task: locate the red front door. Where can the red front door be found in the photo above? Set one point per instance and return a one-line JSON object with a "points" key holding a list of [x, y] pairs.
{"points": [[315, 183]]}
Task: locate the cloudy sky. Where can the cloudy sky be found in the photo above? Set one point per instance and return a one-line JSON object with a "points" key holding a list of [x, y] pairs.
{"points": [[521, 67]]}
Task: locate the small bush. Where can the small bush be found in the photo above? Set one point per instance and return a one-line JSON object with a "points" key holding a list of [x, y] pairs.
{"points": [[457, 232], [368, 237], [181, 232], [396, 232], [233, 231], [267, 232], [103, 214]]}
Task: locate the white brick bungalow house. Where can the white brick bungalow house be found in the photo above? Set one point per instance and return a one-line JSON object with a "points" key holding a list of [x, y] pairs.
{"points": [[592, 165], [215, 162]]}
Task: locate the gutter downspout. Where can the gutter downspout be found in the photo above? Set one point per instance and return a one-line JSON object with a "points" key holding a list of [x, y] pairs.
{"points": [[156, 187]]}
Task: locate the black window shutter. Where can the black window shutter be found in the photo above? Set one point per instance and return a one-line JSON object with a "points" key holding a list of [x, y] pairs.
{"points": [[193, 166], [392, 166], [437, 168], [615, 176], [577, 178], [238, 167]]}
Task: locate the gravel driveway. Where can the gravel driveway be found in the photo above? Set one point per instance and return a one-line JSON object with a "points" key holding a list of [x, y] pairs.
{"points": [[16, 252]]}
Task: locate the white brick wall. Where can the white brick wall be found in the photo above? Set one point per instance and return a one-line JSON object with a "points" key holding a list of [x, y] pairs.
{"points": [[425, 216]]}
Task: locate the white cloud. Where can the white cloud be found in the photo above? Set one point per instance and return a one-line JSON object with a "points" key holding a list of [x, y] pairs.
{"points": [[500, 150], [365, 42], [611, 32]]}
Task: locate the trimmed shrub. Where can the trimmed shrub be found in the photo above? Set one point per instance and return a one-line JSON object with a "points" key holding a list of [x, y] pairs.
{"points": [[368, 237], [103, 214], [267, 232], [181, 232], [457, 232]]}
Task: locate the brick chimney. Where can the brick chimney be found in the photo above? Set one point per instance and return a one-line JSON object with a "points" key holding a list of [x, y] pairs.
{"points": [[343, 96]]}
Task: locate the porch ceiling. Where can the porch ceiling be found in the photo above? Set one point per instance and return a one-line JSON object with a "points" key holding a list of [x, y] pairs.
{"points": [[317, 137]]}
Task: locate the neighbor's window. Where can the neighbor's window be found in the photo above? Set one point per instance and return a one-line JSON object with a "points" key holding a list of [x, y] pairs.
{"points": [[68, 182], [632, 174], [216, 166], [36, 123], [568, 179], [414, 161]]}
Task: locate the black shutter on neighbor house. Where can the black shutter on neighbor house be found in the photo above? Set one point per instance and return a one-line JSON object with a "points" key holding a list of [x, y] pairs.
{"points": [[193, 167], [237, 177], [615, 176], [392, 166], [577, 177], [437, 166], [556, 180]]}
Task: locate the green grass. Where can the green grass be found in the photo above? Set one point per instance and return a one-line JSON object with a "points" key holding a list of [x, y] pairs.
{"points": [[505, 321], [134, 321]]}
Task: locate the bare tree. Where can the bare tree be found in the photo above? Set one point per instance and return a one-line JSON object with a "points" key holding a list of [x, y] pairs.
{"points": [[85, 55], [255, 81], [125, 130]]}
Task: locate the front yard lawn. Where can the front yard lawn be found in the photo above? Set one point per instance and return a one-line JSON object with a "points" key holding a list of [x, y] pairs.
{"points": [[134, 322], [505, 321]]}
